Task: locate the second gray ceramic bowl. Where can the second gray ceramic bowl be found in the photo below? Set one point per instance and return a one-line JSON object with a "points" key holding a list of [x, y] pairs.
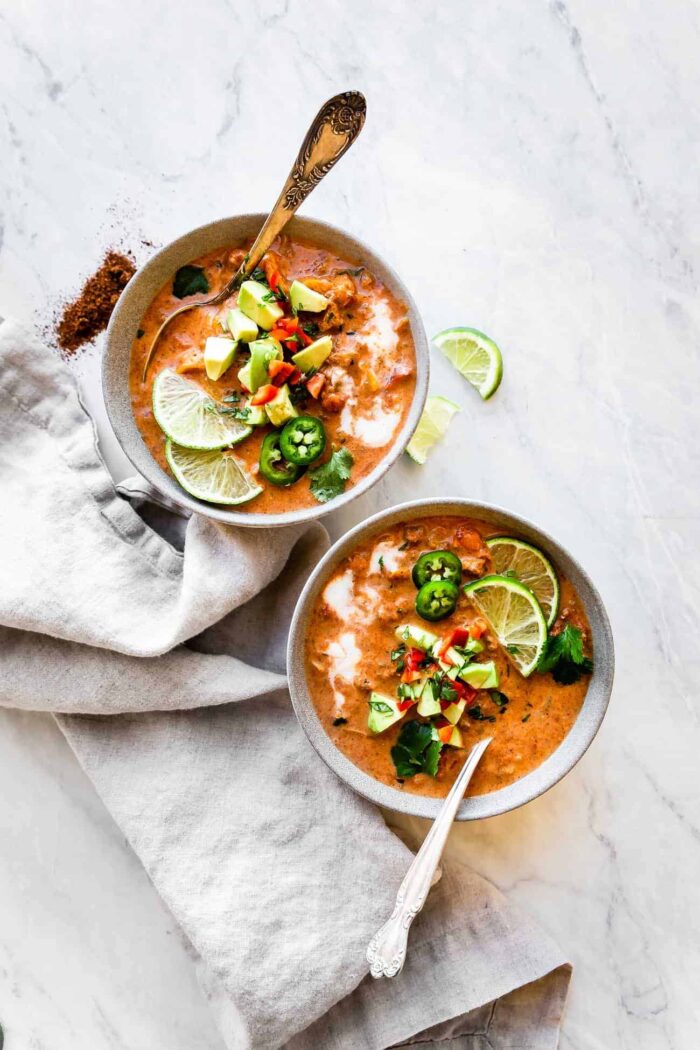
{"points": [[572, 747], [137, 297]]}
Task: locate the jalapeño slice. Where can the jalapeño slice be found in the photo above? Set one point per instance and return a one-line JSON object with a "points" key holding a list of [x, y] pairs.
{"points": [[437, 599], [437, 565], [273, 466], [302, 440]]}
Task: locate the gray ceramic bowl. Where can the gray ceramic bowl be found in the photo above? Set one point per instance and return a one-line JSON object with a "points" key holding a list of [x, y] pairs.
{"points": [[138, 295], [552, 769]]}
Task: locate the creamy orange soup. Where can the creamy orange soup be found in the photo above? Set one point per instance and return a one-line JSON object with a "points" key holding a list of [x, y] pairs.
{"points": [[348, 656], [367, 381]]}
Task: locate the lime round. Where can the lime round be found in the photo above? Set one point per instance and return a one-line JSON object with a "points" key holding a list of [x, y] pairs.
{"points": [[189, 417], [531, 567], [515, 617], [215, 476], [432, 425], [475, 356]]}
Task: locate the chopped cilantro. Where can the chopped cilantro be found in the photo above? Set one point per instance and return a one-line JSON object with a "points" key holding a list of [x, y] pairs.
{"points": [[478, 715], [232, 399], [524, 718], [500, 699], [403, 546], [380, 562], [328, 480], [311, 329], [415, 751], [140, 333], [563, 656], [189, 280], [258, 275]]}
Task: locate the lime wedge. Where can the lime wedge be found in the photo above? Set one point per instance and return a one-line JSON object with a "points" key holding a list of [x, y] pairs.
{"points": [[432, 425], [515, 617], [189, 417], [215, 476], [531, 567], [475, 356]]}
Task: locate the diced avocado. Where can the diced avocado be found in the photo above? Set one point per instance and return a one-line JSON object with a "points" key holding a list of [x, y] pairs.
{"points": [[454, 712], [304, 298], [219, 353], [449, 735], [262, 351], [314, 355], [244, 376], [428, 704], [416, 636], [474, 645], [281, 409], [257, 416], [240, 326], [383, 712], [256, 302], [480, 676]]}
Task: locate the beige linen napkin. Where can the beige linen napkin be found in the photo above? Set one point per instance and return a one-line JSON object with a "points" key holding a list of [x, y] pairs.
{"points": [[161, 652]]}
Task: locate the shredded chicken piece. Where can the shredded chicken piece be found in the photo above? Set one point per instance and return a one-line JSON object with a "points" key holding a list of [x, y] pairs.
{"points": [[273, 263], [332, 401], [236, 257]]}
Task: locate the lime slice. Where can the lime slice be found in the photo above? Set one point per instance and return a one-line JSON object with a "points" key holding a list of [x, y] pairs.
{"points": [[189, 417], [515, 617], [432, 425], [531, 567], [475, 356], [215, 476]]}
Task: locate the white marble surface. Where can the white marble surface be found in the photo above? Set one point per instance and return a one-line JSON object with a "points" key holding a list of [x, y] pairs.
{"points": [[531, 169]]}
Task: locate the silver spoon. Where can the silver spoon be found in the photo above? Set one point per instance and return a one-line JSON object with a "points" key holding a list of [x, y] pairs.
{"points": [[386, 952], [332, 132]]}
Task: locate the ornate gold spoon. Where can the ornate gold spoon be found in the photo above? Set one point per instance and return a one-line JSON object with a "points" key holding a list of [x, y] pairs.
{"points": [[333, 130]]}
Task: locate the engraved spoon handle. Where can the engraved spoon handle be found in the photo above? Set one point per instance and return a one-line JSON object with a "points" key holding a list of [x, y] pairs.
{"points": [[332, 132], [386, 952]]}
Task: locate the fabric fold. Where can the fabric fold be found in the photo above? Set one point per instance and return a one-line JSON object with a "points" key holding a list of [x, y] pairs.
{"points": [[161, 652]]}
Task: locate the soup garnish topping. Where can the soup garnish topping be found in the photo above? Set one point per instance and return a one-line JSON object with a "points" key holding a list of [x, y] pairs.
{"points": [[401, 697], [309, 349]]}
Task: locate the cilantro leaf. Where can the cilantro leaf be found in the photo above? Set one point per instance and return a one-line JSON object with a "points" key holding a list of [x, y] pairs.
{"points": [[563, 656], [415, 751], [328, 480], [189, 280]]}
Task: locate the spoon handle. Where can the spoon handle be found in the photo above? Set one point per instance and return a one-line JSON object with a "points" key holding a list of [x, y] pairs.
{"points": [[386, 952], [332, 132]]}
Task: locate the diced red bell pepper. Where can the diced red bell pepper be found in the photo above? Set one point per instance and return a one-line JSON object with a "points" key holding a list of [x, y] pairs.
{"points": [[315, 384], [280, 371], [279, 333], [296, 377], [274, 280], [305, 339], [403, 705], [289, 324], [477, 628], [413, 659], [458, 636], [445, 733], [264, 394]]}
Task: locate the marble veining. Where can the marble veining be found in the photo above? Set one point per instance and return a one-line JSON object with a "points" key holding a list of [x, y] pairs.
{"points": [[530, 169]]}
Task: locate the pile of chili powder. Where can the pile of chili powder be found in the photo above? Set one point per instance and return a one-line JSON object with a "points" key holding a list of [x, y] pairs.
{"points": [[88, 314]]}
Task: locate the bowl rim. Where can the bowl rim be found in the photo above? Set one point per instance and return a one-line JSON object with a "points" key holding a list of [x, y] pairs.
{"points": [[167, 260], [555, 766]]}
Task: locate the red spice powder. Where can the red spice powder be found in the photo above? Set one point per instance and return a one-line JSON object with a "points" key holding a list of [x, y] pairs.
{"points": [[89, 313]]}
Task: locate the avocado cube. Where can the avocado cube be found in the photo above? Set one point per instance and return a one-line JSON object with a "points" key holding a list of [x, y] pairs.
{"points": [[219, 353], [416, 636], [480, 676], [281, 409], [313, 356], [303, 298], [454, 712], [240, 326], [254, 300], [428, 705], [383, 712], [262, 351]]}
